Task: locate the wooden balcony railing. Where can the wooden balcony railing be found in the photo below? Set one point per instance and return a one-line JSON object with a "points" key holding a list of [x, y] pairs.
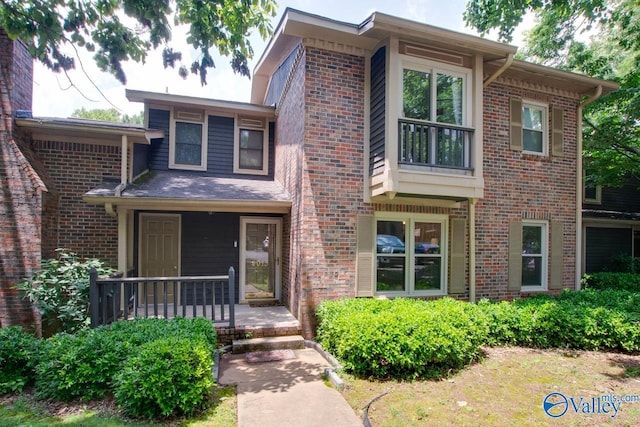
{"points": [[424, 143], [212, 297]]}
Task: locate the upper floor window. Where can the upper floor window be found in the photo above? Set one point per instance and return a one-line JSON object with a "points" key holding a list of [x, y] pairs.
{"points": [[592, 193], [432, 96], [188, 140], [534, 127], [251, 146]]}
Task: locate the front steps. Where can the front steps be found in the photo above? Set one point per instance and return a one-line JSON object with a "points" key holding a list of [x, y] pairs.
{"points": [[288, 342]]}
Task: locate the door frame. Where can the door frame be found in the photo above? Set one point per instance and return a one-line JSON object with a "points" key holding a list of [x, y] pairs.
{"points": [[178, 216], [244, 220]]}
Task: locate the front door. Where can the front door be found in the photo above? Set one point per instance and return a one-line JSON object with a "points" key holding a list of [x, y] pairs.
{"points": [[159, 251], [260, 258]]}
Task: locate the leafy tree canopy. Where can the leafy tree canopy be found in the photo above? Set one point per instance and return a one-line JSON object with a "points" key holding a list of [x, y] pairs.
{"points": [[122, 30], [108, 115], [600, 38]]}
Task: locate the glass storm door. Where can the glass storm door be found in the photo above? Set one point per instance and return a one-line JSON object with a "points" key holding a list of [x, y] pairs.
{"points": [[259, 258]]}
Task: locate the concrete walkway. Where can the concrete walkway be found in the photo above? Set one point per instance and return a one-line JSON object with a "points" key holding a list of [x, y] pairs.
{"points": [[285, 392]]}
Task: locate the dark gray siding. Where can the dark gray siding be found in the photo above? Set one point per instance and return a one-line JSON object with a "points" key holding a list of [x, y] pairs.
{"points": [[602, 244], [140, 159], [623, 199], [220, 146], [279, 79], [377, 111], [159, 149]]}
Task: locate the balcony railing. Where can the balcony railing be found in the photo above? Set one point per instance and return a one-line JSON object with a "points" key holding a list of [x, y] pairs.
{"points": [[211, 297], [424, 143]]}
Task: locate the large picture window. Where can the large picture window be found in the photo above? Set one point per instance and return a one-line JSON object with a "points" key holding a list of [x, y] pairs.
{"points": [[188, 144], [411, 254]]}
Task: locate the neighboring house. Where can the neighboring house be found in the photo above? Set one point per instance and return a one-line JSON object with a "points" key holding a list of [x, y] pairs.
{"points": [[611, 225], [466, 160]]}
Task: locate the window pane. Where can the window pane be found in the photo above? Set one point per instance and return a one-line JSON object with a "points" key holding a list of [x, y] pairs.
{"points": [[532, 140], [188, 144], [531, 271], [390, 258], [449, 99], [427, 237], [427, 274], [532, 118], [251, 154], [532, 240], [416, 95]]}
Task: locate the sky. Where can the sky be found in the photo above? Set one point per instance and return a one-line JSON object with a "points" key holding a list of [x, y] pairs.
{"points": [[55, 96]]}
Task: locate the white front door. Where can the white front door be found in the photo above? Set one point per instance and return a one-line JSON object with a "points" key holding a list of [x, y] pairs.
{"points": [[260, 246]]}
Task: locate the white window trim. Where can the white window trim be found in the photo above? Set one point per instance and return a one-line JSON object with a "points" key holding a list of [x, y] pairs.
{"points": [[597, 200], [410, 219], [545, 126], [172, 142], [544, 286], [434, 67], [265, 146]]}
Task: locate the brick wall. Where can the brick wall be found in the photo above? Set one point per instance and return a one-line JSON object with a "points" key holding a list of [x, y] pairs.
{"points": [[74, 169], [522, 186]]}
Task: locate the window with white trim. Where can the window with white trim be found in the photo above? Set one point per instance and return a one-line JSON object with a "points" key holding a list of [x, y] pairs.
{"points": [[535, 127], [535, 254], [411, 254], [188, 140], [251, 154]]}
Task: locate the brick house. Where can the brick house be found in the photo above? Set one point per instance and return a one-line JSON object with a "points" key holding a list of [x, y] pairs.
{"points": [[384, 158]]}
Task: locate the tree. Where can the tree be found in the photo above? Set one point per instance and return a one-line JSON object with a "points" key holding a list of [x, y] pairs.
{"points": [[600, 38], [108, 115]]}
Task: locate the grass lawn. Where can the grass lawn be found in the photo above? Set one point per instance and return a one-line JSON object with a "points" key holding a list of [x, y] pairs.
{"points": [[24, 410], [505, 389]]}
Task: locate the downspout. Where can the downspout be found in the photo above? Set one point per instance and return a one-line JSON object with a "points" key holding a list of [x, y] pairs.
{"points": [[579, 184], [123, 166], [494, 76], [472, 250]]}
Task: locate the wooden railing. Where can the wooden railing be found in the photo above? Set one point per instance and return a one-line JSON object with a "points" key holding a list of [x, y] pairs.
{"points": [[426, 143], [212, 297]]}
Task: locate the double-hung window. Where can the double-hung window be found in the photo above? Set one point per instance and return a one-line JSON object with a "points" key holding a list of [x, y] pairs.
{"points": [[534, 127], [411, 254], [433, 116], [188, 140], [534, 255], [251, 146]]}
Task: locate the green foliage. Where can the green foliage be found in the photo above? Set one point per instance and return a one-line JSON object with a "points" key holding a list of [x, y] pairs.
{"points": [[99, 27], [166, 377], [607, 280], [60, 290], [402, 338], [624, 263], [83, 366], [19, 355], [108, 115]]}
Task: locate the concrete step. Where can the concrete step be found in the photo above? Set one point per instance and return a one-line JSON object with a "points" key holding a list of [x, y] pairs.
{"points": [[291, 342]]}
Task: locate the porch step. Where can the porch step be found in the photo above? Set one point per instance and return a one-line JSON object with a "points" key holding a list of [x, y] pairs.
{"points": [[268, 343]]}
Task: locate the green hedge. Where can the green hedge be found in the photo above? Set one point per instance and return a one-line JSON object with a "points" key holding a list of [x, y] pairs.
{"points": [[19, 355], [620, 281], [85, 365], [403, 338]]}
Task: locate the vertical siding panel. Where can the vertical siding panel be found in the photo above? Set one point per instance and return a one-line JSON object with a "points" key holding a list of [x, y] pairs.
{"points": [[377, 112]]}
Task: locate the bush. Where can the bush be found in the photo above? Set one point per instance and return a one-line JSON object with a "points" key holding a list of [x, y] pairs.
{"points": [[166, 377], [620, 281], [402, 338], [84, 365], [19, 355], [60, 290]]}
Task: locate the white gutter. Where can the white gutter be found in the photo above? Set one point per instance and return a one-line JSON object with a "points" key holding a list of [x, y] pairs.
{"points": [[494, 76], [579, 185]]}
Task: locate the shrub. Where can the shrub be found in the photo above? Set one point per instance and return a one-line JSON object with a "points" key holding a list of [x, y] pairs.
{"points": [[620, 281], [166, 377], [60, 290], [84, 365], [402, 338], [19, 355]]}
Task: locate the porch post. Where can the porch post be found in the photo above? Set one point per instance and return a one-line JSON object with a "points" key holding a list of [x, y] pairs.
{"points": [[122, 240]]}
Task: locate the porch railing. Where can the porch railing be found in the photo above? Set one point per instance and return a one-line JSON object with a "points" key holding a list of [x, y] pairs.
{"points": [[424, 143], [211, 297]]}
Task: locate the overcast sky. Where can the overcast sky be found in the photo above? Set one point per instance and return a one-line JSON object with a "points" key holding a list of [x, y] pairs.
{"points": [[53, 97]]}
